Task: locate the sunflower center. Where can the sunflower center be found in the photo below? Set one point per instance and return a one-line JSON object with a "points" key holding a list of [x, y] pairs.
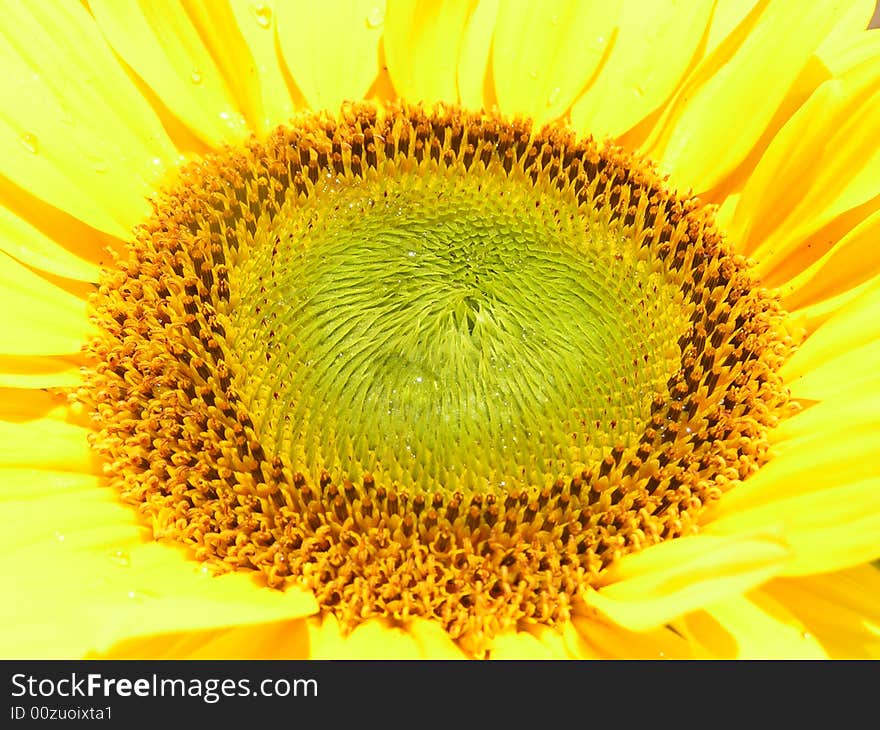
{"points": [[430, 365], [444, 331]]}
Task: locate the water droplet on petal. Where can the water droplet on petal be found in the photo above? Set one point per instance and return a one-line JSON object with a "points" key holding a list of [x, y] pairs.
{"points": [[375, 17], [196, 76], [120, 558], [533, 73], [263, 14], [59, 536], [30, 143], [554, 96]]}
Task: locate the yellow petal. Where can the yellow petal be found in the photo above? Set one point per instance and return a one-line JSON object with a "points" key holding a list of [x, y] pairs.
{"points": [[852, 326], [649, 58], [240, 36], [83, 139], [422, 41], [161, 44], [39, 318], [521, 645], [545, 54], [821, 164], [654, 586], [25, 242], [372, 639], [826, 529], [851, 261], [39, 372], [476, 89], [813, 454], [433, 641], [75, 546], [726, 16], [596, 638], [841, 609], [764, 629], [276, 640], [853, 19], [331, 49], [698, 141]]}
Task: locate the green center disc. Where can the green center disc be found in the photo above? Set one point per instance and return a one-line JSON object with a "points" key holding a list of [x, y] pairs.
{"points": [[451, 331]]}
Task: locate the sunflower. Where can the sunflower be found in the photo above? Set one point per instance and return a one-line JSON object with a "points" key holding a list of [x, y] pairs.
{"points": [[473, 328]]}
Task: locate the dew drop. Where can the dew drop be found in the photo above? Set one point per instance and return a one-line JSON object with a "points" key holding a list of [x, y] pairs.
{"points": [[59, 536], [263, 14], [196, 76], [375, 17], [120, 558], [533, 73], [554, 96], [30, 143]]}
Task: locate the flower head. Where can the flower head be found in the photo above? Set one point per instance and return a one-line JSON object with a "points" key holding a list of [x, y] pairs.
{"points": [[460, 329]]}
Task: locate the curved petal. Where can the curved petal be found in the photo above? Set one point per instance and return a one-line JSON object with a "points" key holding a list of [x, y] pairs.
{"points": [[39, 318], [39, 372], [852, 326], [654, 586], [820, 165], [545, 54], [851, 261], [697, 141], [331, 49], [656, 45], [841, 609], [594, 638], [275, 640], [86, 141], [476, 89], [75, 546], [25, 242], [372, 639], [422, 41], [762, 628], [240, 36]]}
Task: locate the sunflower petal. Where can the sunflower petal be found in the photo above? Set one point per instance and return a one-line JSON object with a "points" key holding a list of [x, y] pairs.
{"points": [[650, 588], [840, 609], [649, 58], [39, 318], [821, 164], [545, 54], [39, 372], [476, 89], [372, 639], [75, 546], [781, 35], [596, 638], [422, 41], [433, 641], [826, 529], [240, 36], [23, 241], [337, 58], [86, 141], [764, 629], [851, 261], [521, 645], [161, 44], [851, 327], [275, 640]]}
